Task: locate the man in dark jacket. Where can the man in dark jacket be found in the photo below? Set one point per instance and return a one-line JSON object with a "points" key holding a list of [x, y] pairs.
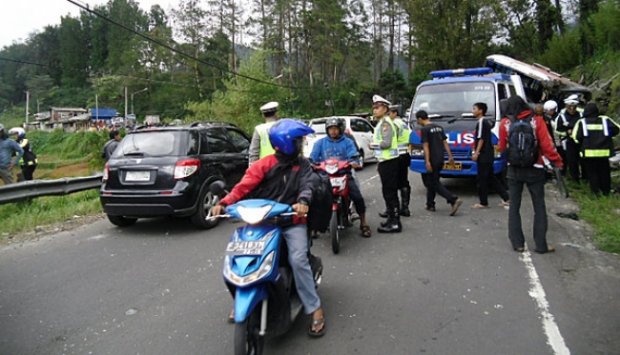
{"points": [[533, 176], [595, 135], [110, 146], [287, 178], [565, 123]]}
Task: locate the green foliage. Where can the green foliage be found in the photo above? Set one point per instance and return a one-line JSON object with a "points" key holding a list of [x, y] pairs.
{"points": [[605, 30], [25, 216], [78, 146], [563, 52]]}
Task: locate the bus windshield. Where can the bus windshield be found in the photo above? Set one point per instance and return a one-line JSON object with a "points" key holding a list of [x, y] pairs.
{"points": [[454, 100]]}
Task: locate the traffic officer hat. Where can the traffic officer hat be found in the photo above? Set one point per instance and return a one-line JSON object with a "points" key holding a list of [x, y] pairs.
{"points": [[572, 100], [269, 107], [378, 100], [394, 108]]}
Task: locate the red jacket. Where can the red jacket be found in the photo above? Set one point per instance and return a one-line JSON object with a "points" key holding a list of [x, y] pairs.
{"points": [[273, 179], [545, 142]]}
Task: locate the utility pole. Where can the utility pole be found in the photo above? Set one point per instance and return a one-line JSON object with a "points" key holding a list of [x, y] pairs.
{"points": [[96, 107], [27, 104], [125, 102], [132, 94]]}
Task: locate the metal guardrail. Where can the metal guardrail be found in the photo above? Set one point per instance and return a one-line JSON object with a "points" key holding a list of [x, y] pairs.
{"points": [[36, 188]]}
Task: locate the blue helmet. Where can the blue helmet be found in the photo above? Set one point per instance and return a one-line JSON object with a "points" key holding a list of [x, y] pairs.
{"points": [[284, 135]]}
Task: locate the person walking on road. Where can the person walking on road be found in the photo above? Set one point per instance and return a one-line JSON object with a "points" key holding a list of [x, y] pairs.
{"points": [[28, 162], [8, 148], [110, 146], [260, 146], [434, 143], [595, 135], [526, 139], [484, 155], [385, 145]]}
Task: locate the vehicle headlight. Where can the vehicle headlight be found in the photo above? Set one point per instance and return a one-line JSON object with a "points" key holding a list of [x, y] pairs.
{"points": [[253, 215], [241, 281], [331, 168]]}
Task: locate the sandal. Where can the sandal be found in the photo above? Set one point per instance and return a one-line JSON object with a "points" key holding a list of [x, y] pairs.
{"points": [[504, 204], [317, 324], [479, 206], [231, 316], [366, 232]]}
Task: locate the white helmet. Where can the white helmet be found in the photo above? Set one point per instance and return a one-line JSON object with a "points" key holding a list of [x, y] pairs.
{"points": [[550, 105], [572, 100]]}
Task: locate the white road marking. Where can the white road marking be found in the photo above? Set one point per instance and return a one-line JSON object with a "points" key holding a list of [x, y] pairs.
{"points": [[97, 237], [370, 178], [552, 331]]}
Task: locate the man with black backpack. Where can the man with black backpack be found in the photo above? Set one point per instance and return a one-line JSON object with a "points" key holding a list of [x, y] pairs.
{"points": [[525, 139]]}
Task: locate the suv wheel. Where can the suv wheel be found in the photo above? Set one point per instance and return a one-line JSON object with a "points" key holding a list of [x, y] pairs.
{"points": [[205, 203], [122, 221]]}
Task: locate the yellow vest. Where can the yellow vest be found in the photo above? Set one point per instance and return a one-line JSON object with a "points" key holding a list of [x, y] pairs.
{"points": [[392, 151], [265, 144], [403, 135]]}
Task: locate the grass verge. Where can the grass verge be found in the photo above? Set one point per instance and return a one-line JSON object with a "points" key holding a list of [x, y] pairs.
{"points": [[602, 213], [25, 216]]}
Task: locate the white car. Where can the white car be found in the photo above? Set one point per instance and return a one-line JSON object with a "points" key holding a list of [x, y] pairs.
{"points": [[357, 127]]}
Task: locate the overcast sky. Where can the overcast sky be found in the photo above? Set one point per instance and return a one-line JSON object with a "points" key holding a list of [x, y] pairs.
{"points": [[19, 18]]}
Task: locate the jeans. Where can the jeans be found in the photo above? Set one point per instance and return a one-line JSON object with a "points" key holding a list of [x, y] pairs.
{"points": [[534, 178], [485, 177], [433, 186], [356, 196], [296, 238], [6, 175]]}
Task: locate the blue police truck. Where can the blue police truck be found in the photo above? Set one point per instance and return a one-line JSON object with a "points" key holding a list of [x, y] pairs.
{"points": [[448, 99]]}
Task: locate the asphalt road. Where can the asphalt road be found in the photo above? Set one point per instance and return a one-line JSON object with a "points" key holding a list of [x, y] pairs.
{"points": [[445, 285]]}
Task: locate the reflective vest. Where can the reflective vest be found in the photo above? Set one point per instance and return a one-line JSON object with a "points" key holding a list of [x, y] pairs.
{"points": [[28, 158], [265, 144], [392, 151], [596, 141], [562, 121], [403, 136]]}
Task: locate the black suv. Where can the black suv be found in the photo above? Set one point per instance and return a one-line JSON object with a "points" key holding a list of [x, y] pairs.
{"points": [[167, 171]]}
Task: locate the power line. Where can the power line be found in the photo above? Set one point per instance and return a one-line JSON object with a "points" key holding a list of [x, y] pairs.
{"points": [[165, 45], [22, 62]]}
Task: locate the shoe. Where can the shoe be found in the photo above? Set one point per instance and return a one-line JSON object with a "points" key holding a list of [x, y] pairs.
{"points": [[430, 208], [405, 194], [383, 214], [455, 206], [519, 249], [550, 249], [392, 224]]}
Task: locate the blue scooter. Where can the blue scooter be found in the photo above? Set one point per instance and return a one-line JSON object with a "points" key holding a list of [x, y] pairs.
{"points": [[258, 275]]}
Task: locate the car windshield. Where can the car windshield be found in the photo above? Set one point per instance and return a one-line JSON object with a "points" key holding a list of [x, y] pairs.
{"points": [[160, 143], [318, 126], [454, 100]]}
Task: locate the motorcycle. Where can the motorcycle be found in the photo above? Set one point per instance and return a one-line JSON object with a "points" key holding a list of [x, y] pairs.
{"points": [[341, 218], [258, 275]]}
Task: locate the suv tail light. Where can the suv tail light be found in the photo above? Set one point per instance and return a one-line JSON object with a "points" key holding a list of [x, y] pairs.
{"points": [[185, 168], [106, 172]]}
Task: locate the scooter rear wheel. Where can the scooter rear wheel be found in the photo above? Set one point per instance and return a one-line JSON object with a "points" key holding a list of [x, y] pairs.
{"points": [[335, 232], [247, 338]]}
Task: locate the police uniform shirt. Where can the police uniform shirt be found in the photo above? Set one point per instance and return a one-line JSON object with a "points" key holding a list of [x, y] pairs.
{"points": [[483, 131], [434, 136]]}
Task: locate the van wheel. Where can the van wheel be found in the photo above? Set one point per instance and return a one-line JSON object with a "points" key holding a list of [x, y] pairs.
{"points": [[205, 202], [122, 221]]}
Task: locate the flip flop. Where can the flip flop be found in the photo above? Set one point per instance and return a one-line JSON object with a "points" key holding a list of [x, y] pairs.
{"points": [[316, 323], [479, 206], [231, 317]]}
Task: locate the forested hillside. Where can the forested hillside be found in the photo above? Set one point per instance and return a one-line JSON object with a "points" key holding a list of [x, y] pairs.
{"points": [[302, 53]]}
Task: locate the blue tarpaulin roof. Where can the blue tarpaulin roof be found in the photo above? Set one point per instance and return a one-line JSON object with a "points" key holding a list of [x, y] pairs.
{"points": [[103, 113]]}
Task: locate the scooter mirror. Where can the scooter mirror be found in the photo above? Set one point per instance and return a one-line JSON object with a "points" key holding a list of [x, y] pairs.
{"points": [[217, 188]]}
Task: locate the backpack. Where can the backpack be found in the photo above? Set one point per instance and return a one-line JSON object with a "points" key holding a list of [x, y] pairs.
{"points": [[522, 149], [320, 211]]}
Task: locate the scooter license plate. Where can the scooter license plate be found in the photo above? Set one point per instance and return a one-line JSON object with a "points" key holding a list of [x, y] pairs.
{"points": [[245, 248], [338, 181]]}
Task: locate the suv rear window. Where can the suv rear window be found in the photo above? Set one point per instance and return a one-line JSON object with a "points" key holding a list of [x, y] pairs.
{"points": [[161, 143]]}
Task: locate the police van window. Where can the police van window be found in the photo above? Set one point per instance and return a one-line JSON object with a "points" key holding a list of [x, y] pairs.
{"points": [[454, 99], [513, 91], [241, 142], [501, 91]]}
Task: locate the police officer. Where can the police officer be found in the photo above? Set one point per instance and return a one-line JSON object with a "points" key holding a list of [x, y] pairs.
{"points": [[595, 134], [260, 145], [385, 144], [405, 159], [28, 162], [564, 127]]}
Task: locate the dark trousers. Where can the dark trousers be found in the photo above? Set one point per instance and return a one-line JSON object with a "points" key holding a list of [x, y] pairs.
{"points": [[388, 173], [599, 174], [573, 160], [534, 178], [27, 172], [485, 178], [356, 196], [433, 186], [403, 171]]}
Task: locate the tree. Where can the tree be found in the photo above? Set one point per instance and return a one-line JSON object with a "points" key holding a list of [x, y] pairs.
{"points": [[73, 52]]}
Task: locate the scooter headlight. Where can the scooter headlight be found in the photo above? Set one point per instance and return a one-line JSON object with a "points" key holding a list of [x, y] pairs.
{"points": [[241, 281], [253, 215], [331, 168]]}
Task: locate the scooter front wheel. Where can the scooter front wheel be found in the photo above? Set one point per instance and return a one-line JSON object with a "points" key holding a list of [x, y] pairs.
{"points": [[247, 338], [335, 232]]}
